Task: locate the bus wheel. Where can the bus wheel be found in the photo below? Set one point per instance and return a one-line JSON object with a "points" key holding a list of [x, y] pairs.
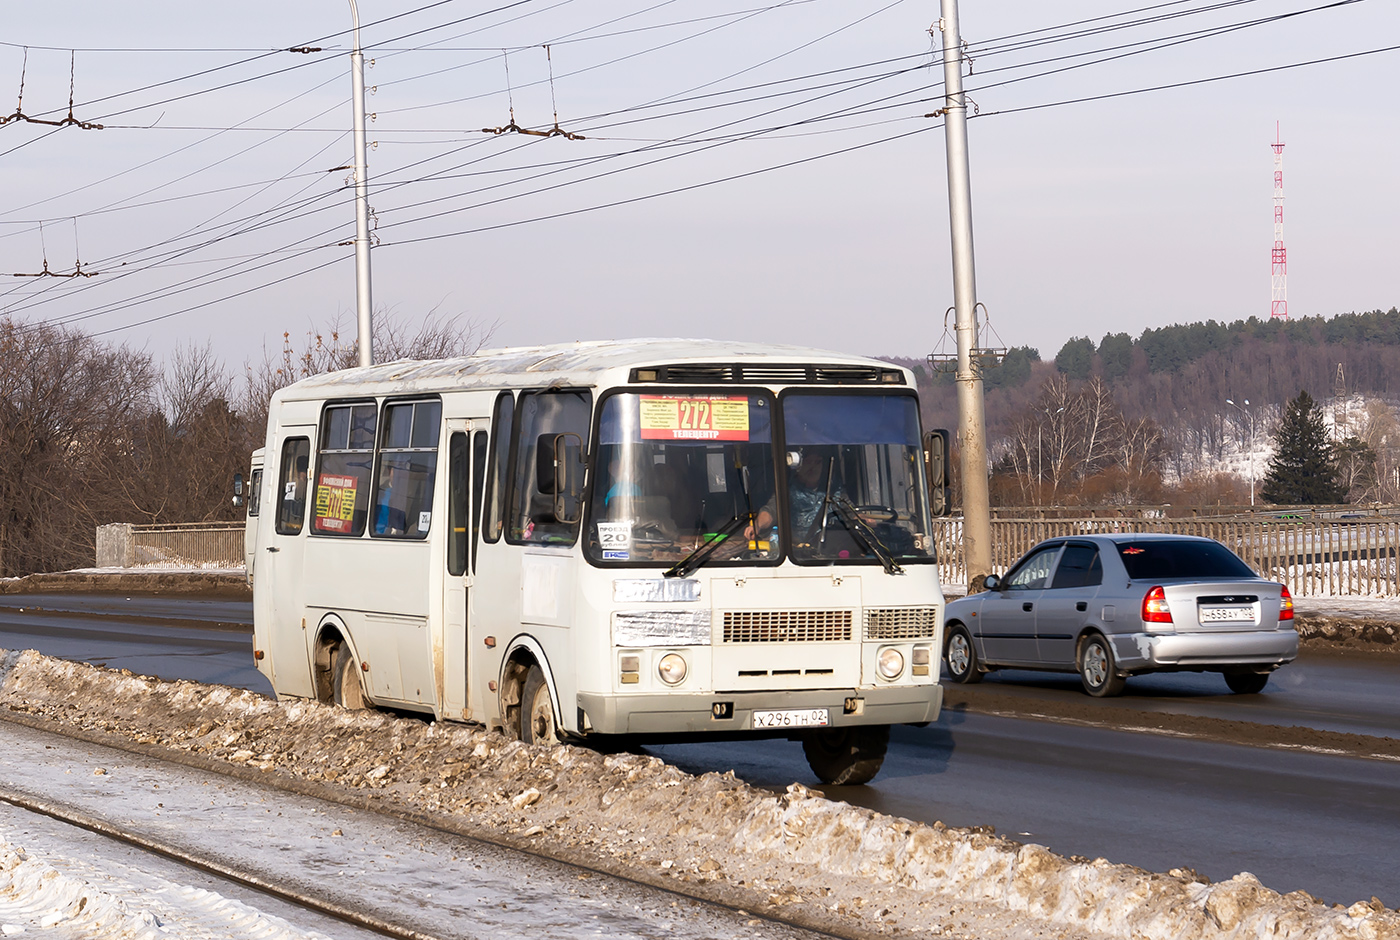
{"points": [[537, 724], [346, 689], [845, 756]]}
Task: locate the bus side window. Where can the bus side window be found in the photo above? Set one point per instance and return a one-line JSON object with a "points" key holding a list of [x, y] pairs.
{"points": [[255, 492], [495, 496], [291, 503], [403, 498], [479, 450], [344, 467], [543, 417]]}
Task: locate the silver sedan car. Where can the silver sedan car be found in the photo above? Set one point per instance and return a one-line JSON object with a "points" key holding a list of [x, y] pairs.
{"points": [[1113, 606]]}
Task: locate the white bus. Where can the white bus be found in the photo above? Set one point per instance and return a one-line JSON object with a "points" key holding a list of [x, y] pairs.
{"points": [[671, 539]]}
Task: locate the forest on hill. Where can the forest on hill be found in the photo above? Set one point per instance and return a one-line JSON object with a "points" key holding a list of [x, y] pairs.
{"points": [[1150, 419]]}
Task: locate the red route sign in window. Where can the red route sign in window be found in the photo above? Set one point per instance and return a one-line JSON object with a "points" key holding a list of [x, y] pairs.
{"points": [[335, 503], [695, 417]]}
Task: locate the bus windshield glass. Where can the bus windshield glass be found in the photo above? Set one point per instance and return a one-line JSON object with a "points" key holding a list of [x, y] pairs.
{"points": [[855, 488], [674, 471]]}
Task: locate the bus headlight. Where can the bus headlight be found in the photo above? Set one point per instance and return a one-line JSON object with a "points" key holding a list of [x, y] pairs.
{"points": [[671, 668], [891, 663]]}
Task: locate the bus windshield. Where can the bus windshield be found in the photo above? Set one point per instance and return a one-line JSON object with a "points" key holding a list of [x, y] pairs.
{"points": [[675, 470], [855, 489]]}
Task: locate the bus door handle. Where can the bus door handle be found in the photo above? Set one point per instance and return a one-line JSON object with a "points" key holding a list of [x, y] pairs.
{"points": [[1026, 606], [273, 548], [1082, 605]]}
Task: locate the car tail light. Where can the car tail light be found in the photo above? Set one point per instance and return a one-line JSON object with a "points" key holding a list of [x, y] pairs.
{"points": [[1285, 604], [1155, 608]]}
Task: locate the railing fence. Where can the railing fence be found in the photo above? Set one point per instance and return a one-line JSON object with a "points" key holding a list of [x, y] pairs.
{"points": [[196, 544], [1313, 556]]}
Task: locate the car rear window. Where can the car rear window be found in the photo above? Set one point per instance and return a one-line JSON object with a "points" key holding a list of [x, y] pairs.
{"points": [[1164, 559]]}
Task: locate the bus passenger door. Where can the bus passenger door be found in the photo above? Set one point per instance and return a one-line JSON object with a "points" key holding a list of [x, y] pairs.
{"points": [[466, 465], [279, 603]]}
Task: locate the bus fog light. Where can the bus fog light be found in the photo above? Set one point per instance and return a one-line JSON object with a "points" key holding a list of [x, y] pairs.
{"points": [[891, 664], [671, 668]]}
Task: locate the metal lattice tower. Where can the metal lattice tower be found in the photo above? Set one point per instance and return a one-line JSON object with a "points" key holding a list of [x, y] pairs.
{"points": [[1279, 308]]}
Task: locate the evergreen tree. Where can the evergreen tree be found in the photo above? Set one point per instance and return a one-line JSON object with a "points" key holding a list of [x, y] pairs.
{"points": [[1076, 358], [1116, 355], [1304, 468]]}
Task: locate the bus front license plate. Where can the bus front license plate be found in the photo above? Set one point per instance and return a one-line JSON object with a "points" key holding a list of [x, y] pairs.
{"points": [[792, 718]]}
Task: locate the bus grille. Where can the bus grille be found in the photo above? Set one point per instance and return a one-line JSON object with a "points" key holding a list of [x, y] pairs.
{"points": [[900, 623], [787, 626]]}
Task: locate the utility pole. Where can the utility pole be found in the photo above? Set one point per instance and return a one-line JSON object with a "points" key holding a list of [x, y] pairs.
{"points": [[972, 425], [363, 318]]}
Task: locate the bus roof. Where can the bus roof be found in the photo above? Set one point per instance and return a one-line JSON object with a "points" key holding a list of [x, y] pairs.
{"points": [[584, 363]]}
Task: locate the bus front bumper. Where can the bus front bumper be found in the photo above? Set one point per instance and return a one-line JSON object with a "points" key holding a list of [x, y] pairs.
{"points": [[696, 712]]}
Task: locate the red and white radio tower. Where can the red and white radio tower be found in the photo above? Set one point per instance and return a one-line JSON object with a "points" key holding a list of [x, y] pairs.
{"points": [[1279, 309]]}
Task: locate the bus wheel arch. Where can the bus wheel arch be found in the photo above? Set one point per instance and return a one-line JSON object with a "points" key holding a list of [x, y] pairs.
{"points": [[529, 701]]}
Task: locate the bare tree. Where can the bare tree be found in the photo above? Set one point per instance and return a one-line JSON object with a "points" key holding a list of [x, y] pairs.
{"points": [[69, 411]]}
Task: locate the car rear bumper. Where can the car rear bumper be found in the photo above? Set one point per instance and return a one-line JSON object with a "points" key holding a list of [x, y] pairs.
{"points": [[1143, 652], [670, 713]]}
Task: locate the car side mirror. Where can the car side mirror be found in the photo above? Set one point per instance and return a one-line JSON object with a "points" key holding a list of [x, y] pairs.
{"points": [[991, 583]]}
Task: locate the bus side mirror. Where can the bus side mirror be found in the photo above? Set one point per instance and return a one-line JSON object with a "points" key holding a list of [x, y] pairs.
{"points": [[559, 473], [936, 452], [238, 489]]}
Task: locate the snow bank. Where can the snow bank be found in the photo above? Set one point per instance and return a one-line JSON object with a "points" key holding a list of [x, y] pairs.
{"points": [[823, 862]]}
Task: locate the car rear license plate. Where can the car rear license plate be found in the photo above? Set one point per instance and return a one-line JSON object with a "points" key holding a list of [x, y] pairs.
{"points": [[1227, 614], [792, 718]]}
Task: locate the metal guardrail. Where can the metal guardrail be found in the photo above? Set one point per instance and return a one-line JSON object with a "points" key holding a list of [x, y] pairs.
{"points": [[1313, 556], [188, 545]]}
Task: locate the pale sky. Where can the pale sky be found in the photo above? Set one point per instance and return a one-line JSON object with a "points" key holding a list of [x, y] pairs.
{"points": [[210, 204]]}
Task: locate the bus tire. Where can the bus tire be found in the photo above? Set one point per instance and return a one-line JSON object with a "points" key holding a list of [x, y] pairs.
{"points": [[538, 724], [847, 756], [347, 691]]}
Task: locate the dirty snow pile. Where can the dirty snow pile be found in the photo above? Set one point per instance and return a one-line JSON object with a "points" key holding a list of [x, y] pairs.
{"points": [[819, 862], [36, 896]]}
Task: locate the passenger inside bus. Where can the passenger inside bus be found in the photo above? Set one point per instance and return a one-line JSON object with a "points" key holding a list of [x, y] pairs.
{"points": [[389, 515]]}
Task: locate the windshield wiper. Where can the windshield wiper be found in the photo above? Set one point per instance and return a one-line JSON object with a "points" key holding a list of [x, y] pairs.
{"points": [[863, 533], [702, 552]]}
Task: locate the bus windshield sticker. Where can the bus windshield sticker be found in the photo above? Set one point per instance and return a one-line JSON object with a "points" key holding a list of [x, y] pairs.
{"points": [[615, 539], [425, 519], [695, 417], [335, 502]]}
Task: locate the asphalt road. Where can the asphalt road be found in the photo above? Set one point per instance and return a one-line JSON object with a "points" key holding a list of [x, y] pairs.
{"points": [[1296, 819]]}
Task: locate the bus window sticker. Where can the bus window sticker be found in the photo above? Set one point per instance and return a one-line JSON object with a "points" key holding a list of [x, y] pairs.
{"points": [[335, 502], [695, 417]]}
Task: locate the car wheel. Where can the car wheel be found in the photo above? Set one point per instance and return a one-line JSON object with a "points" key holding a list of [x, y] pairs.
{"points": [[847, 756], [1097, 670], [1246, 683], [960, 656]]}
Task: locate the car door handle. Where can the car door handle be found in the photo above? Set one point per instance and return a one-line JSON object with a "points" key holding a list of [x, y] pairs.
{"points": [[1027, 605], [1082, 605], [273, 548]]}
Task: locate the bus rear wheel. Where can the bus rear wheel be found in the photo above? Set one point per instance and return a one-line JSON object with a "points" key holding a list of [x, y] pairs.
{"points": [[537, 721], [347, 691], [847, 756]]}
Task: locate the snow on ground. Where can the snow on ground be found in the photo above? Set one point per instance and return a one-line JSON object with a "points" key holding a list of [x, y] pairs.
{"points": [[39, 899], [797, 852]]}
